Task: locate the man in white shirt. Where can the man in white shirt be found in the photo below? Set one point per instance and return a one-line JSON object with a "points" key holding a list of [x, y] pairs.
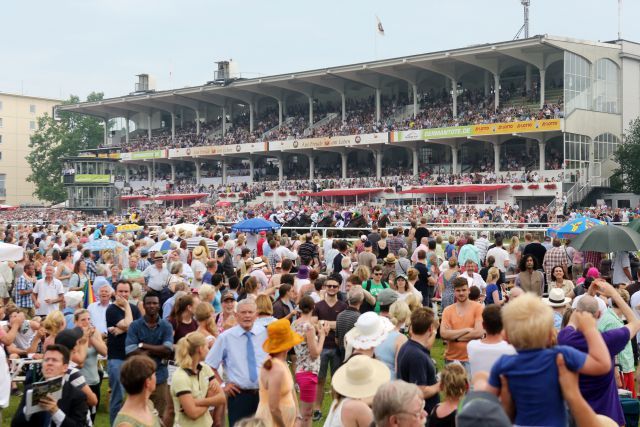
{"points": [[473, 278], [47, 293], [621, 267], [484, 352], [327, 244], [483, 245], [98, 309], [500, 255]]}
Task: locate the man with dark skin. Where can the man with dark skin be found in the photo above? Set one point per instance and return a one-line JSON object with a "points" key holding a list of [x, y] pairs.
{"points": [[153, 336]]}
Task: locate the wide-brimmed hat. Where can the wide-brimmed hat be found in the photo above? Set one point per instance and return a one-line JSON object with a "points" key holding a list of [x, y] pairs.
{"points": [[280, 337], [390, 259], [556, 298], [360, 377], [368, 332], [258, 262], [198, 251], [158, 256]]}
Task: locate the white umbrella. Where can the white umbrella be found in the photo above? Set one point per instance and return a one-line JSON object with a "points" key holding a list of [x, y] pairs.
{"points": [[10, 252], [192, 242], [163, 246]]}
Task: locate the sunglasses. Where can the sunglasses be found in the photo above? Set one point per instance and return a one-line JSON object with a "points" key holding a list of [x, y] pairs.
{"points": [[377, 274], [332, 286]]}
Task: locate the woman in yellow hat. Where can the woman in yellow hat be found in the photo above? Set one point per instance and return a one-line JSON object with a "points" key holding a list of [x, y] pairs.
{"points": [[278, 403]]}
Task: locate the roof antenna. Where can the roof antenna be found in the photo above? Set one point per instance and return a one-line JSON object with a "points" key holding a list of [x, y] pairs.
{"points": [[525, 26]]}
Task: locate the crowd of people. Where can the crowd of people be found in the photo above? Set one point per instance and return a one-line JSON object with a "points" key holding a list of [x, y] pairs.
{"points": [[247, 328], [435, 111]]}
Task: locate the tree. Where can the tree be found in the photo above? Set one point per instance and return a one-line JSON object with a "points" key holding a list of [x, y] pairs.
{"points": [[58, 138], [628, 157]]}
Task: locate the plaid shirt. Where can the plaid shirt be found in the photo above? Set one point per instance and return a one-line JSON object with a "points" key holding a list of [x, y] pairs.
{"points": [[91, 269], [23, 301], [593, 258], [395, 243], [143, 263], [554, 256], [273, 258]]}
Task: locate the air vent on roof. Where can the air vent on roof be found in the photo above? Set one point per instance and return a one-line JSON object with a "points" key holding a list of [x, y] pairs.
{"points": [[146, 83], [226, 72]]}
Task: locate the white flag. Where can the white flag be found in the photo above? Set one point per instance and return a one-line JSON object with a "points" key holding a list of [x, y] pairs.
{"points": [[380, 27]]}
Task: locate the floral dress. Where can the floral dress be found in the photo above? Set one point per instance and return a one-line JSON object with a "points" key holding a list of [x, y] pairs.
{"points": [[447, 295], [305, 362]]}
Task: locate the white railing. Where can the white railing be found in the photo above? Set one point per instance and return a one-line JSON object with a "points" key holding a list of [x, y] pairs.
{"points": [[320, 122]]}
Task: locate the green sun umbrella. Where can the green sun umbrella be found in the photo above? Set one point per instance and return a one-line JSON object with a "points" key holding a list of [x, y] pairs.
{"points": [[634, 225], [607, 238]]}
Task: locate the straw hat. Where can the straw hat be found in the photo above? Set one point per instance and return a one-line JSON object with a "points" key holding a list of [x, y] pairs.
{"points": [[198, 251], [390, 259], [556, 298], [368, 332], [258, 262], [280, 337], [360, 377]]}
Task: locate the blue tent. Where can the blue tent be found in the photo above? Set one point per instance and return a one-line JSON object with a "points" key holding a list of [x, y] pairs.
{"points": [[574, 227], [255, 225]]}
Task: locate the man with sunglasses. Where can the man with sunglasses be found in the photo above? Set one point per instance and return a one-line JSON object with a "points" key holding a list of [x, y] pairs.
{"points": [[374, 286], [327, 311]]}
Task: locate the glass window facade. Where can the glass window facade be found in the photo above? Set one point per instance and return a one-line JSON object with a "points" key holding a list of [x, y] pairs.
{"points": [[577, 83], [605, 145], [91, 197], [576, 150], [606, 87]]}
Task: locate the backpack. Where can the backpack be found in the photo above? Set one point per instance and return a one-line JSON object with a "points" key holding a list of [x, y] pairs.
{"points": [[365, 305]]}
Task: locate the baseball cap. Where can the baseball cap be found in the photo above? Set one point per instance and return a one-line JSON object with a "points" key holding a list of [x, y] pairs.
{"points": [[220, 253], [387, 296], [481, 409], [228, 295], [69, 337]]}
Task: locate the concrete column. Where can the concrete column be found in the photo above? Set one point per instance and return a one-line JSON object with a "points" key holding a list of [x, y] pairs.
{"points": [[496, 90], [310, 111], [454, 160], [182, 117], [149, 125], [197, 163], [527, 78], [344, 165], [251, 169], [541, 146], [414, 151], [279, 114], [105, 131], [173, 126], [281, 168], [126, 129], [251, 117], [224, 171], [378, 106], [173, 172], [343, 100], [378, 155], [496, 157], [454, 97], [224, 121], [126, 173], [415, 100], [486, 84], [312, 167], [197, 122], [543, 72], [149, 174]]}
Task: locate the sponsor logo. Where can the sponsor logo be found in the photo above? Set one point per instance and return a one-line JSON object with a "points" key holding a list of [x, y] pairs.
{"points": [[358, 139], [238, 148]]}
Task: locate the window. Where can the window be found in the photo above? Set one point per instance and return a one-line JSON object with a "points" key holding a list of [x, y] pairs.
{"points": [[576, 150], [605, 87], [577, 83], [605, 145], [32, 108], [0, 105], [0, 139], [0, 122], [32, 125]]}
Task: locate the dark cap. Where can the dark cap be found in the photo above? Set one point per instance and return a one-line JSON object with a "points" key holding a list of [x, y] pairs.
{"points": [[228, 295], [368, 244], [481, 409], [69, 337], [220, 253]]}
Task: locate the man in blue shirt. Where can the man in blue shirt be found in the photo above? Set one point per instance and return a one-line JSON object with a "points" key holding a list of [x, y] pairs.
{"points": [[153, 336], [414, 363], [239, 350]]}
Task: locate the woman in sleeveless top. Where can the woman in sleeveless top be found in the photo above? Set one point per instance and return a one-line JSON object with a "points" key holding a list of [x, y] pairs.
{"points": [[446, 289], [275, 377], [138, 379], [383, 249], [386, 352], [454, 386]]}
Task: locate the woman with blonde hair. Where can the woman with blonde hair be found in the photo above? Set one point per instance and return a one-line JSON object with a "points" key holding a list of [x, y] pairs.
{"points": [[193, 386], [363, 273], [53, 324], [265, 310], [453, 385], [493, 290], [204, 315], [278, 401], [136, 297], [387, 350], [514, 255]]}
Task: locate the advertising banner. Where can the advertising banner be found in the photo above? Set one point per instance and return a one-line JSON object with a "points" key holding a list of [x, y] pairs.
{"points": [[434, 133], [518, 127], [327, 142], [144, 155], [219, 150], [92, 179]]}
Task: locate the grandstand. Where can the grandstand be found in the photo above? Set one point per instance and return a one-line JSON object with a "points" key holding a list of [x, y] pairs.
{"points": [[526, 120]]}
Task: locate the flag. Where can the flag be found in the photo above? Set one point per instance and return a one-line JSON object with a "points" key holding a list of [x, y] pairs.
{"points": [[380, 27]]}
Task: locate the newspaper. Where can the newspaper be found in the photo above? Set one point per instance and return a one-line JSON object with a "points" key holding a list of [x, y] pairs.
{"points": [[40, 390]]}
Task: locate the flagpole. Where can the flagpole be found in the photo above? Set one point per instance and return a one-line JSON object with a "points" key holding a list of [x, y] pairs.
{"points": [[375, 43]]}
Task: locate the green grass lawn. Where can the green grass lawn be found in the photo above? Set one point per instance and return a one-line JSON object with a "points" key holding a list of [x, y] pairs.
{"points": [[102, 418]]}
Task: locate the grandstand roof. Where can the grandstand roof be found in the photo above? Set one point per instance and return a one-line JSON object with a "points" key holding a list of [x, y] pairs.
{"points": [[343, 192], [453, 189], [538, 51]]}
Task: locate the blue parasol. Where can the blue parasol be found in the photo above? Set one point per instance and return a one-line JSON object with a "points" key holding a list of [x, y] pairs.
{"points": [[255, 225], [102, 244], [574, 227]]}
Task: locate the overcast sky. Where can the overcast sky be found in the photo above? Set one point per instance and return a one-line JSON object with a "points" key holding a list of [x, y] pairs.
{"points": [[57, 48]]}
